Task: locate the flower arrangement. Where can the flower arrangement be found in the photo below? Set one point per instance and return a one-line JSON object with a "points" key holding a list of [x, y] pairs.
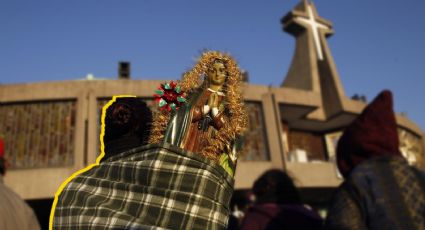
{"points": [[169, 96]]}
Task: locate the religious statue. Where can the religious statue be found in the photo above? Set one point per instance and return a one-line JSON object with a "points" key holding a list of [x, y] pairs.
{"points": [[212, 118]]}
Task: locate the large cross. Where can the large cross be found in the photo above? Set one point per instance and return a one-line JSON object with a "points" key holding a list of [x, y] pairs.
{"points": [[311, 22]]}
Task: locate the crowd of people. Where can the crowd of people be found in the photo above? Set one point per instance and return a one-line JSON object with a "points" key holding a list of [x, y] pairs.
{"points": [[380, 190], [137, 186]]}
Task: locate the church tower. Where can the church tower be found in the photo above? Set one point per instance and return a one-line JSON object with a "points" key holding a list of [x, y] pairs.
{"points": [[313, 67]]}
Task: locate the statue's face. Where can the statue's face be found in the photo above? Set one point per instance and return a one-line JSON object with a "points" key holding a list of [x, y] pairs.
{"points": [[217, 74]]}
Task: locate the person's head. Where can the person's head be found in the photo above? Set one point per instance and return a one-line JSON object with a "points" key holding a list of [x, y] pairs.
{"points": [[275, 186], [217, 73], [127, 116], [373, 133]]}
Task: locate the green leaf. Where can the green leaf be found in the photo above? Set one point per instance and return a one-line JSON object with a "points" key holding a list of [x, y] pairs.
{"points": [[162, 102], [181, 99], [167, 86], [159, 92], [178, 89], [173, 106]]}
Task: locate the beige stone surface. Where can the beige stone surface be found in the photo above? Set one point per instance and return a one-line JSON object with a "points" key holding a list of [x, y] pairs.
{"points": [[37, 183], [42, 183], [323, 174]]}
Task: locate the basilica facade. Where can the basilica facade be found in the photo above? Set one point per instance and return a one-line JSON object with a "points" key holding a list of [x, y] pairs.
{"points": [[51, 129]]}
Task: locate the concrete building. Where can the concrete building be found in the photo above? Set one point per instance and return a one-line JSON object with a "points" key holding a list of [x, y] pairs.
{"points": [[51, 129]]}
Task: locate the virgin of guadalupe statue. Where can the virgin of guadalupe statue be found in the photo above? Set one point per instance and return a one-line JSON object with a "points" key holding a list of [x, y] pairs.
{"points": [[213, 119]]}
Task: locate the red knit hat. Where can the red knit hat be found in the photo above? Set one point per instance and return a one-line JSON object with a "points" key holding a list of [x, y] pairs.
{"points": [[372, 133]]}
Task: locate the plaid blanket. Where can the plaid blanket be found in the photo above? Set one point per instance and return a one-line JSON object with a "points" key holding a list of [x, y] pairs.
{"points": [[145, 188]]}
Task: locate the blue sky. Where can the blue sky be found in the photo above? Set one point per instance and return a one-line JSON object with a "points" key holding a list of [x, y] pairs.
{"points": [[377, 44]]}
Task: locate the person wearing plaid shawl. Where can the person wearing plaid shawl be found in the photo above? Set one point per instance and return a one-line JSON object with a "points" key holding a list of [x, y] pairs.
{"points": [[147, 187], [154, 186]]}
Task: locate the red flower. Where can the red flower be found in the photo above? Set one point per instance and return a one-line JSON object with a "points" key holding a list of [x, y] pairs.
{"points": [[169, 96]]}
